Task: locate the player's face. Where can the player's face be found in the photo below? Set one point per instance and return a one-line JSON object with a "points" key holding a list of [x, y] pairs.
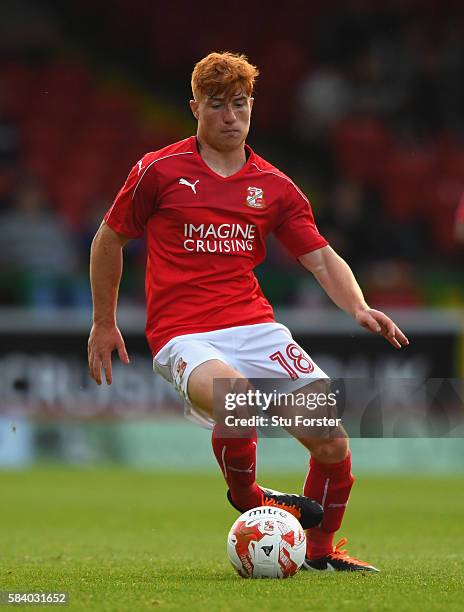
{"points": [[223, 121]]}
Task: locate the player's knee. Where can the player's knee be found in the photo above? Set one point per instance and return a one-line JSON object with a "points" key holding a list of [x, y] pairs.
{"points": [[210, 382], [319, 386], [331, 450]]}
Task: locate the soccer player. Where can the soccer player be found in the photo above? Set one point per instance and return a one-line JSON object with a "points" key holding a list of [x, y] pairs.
{"points": [[207, 204]]}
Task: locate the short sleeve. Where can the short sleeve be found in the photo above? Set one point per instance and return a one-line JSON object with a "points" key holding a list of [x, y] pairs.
{"points": [[296, 228], [135, 202]]}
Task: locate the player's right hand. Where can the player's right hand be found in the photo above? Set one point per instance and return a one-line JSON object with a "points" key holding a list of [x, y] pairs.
{"points": [[103, 340]]}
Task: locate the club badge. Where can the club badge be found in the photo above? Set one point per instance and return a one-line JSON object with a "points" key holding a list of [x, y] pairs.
{"points": [[255, 197]]}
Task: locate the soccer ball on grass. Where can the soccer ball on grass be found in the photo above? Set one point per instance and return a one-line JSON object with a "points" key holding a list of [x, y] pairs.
{"points": [[266, 542]]}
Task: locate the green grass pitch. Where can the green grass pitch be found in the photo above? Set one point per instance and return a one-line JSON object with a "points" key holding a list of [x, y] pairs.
{"points": [[124, 540]]}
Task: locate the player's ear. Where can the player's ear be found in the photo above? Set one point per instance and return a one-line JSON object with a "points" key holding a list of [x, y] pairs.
{"points": [[251, 102], [194, 108]]}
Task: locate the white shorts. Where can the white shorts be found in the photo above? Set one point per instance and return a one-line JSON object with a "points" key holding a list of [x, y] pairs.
{"points": [[264, 350]]}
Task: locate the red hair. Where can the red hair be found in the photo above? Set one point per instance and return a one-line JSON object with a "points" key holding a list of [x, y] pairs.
{"points": [[222, 73]]}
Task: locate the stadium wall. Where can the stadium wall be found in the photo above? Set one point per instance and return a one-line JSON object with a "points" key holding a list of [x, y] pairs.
{"points": [[51, 411]]}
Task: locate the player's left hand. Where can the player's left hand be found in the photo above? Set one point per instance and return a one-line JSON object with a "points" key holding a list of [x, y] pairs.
{"points": [[378, 323]]}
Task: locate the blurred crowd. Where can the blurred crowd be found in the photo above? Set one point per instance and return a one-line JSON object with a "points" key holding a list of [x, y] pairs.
{"points": [[362, 104]]}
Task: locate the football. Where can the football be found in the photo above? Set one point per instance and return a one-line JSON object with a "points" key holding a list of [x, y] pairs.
{"points": [[266, 542]]}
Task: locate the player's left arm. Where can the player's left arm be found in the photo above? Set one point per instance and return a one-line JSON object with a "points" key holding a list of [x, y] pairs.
{"points": [[338, 281]]}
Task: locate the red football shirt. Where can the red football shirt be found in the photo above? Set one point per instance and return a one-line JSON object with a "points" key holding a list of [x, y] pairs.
{"points": [[205, 235]]}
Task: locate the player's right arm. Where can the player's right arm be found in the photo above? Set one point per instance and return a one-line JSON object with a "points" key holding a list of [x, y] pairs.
{"points": [[126, 219], [105, 277]]}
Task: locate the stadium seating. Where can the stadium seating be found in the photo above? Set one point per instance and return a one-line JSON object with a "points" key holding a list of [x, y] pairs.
{"points": [[81, 131]]}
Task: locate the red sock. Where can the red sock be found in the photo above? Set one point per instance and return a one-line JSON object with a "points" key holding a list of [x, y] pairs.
{"points": [[330, 485], [237, 460]]}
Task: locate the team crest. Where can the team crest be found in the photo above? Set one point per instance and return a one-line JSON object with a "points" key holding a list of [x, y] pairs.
{"points": [[180, 368], [255, 197]]}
